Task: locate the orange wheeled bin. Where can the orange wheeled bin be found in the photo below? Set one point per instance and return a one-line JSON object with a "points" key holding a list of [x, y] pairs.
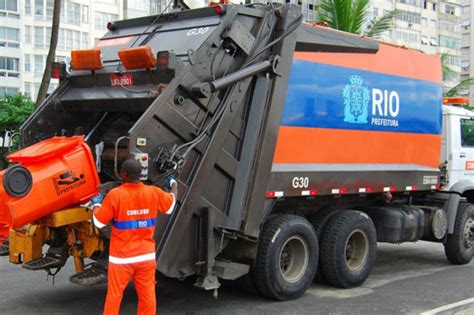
{"points": [[46, 177]]}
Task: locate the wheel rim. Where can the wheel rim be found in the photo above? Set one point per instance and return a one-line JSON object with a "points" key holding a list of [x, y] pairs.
{"points": [[294, 259], [356, 250], [468, 233]]}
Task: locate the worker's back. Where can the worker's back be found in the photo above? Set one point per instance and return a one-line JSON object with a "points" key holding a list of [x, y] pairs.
{"points": [[133, 209]]}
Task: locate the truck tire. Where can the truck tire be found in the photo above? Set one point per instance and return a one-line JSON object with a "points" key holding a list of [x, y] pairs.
{"points": [[319, 222], [287, 257], [348, 249], [247, 283], [459, 246]]}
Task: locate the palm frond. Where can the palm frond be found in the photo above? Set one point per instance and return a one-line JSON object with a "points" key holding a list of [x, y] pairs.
{"points": [[459, 88], [327, 13], [352, 15], [446, 70], [382, 24], [360, 13], [337, 13]]}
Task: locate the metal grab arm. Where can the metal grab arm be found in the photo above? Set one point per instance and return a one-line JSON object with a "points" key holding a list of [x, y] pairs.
{"points": [[210, 87]]}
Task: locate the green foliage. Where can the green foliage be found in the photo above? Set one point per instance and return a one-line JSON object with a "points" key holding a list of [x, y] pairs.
{"points": [[352, 16], [448, 75], [459, 88], [14, 110]]}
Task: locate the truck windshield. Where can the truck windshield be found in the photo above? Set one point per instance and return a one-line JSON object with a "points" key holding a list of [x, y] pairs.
{"points": [[467, 133]]}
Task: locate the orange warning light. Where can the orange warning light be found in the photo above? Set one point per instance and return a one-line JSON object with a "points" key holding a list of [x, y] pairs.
{"points": [[88, 59], [137, 57], [455, 101]]}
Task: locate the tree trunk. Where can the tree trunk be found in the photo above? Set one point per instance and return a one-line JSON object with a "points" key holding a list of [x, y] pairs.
{"points": [[51, 54]]}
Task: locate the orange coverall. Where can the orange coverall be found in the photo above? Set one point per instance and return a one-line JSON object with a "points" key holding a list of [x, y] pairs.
{"points": [[132, 209]]}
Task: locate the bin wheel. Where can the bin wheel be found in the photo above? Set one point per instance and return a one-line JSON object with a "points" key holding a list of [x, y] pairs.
{"points": [[459, 246], [287, 257], [17, 181], [348, 249]]}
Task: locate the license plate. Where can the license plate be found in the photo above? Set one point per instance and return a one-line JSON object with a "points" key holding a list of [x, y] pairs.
{"points": [[125, 79]]}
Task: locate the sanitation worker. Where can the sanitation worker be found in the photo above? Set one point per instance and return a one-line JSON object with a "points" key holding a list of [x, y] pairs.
{"points": [[132, 208]]}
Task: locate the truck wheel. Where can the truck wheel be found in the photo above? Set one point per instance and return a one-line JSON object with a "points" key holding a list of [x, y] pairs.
{"points": [[247, 283], [287, 257], [348, 249], [319, 222], [459, 246]]}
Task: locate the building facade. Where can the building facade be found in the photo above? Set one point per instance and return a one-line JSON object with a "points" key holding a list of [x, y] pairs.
{"points": [[433, 26], [25, 34], [467, 54], [82, 22], [10, 47]]}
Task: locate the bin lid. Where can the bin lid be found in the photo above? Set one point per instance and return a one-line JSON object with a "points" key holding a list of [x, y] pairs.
{"points": [[48, 148]]}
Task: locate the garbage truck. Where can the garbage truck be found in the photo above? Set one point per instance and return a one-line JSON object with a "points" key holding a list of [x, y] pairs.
{"points": [[296, 149]]}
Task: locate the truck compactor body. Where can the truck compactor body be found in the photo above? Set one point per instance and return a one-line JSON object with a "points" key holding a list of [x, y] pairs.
{"points": [[296, 148]]}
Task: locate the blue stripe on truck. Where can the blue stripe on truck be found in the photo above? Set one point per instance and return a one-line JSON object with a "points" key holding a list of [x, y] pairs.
{"points": [[328, 96]]}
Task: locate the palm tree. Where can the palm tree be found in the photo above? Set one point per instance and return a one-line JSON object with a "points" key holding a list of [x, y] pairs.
{"points": [[51, 54], [449, 74], [353, 17]]}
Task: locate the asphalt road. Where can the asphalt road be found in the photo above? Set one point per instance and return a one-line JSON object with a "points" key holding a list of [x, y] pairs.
{"points": [[408, 279]]}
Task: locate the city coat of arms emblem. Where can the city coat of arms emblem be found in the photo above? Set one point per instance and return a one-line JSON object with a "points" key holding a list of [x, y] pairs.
{"points": [[356, 101]]}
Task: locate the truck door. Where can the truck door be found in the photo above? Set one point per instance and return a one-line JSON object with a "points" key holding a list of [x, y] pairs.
{"points": [[462, 165]]}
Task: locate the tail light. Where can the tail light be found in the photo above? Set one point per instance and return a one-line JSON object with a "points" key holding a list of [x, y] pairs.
{"points": [[58, 70], [219, 9], [219, 6], [137, 58], [166, 60], [86, 59]]}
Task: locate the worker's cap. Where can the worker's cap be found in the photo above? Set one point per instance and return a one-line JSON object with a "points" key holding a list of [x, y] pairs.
{"points": [[132, 168]]}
